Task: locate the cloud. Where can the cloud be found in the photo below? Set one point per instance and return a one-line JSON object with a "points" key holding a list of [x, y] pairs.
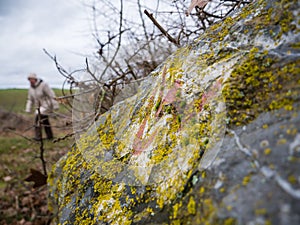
{"points": [[29, 26], [63, 28]]}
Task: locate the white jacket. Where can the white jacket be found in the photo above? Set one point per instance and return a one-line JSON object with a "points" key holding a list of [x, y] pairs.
{"points": [[41, 96]]}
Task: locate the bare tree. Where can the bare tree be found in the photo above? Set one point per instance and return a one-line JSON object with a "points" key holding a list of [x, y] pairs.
{"points": [[129, 45], [131, 39]]}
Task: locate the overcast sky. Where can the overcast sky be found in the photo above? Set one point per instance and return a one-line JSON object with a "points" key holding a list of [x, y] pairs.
{"points": [[28, 26], [63, 28]]}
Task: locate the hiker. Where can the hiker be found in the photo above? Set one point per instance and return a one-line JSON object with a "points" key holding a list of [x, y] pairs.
{"points": [[42, 97]]}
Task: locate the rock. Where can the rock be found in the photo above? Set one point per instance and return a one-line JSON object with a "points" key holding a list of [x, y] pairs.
{"points": [[211, 137]]}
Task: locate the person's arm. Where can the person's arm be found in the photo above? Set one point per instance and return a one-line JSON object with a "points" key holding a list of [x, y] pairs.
{"points": [[29, 102]]}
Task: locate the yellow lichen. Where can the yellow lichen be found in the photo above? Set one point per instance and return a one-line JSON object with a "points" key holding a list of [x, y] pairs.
{"points": [[261, 211], [230, 221], [175, 209], [292, 179], [246, 180], [281, 141], [191, 206], [267, 151], [257, 83]]}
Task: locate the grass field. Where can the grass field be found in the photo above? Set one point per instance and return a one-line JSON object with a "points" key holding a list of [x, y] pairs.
{"points": [[20, 203], [14, 100]]}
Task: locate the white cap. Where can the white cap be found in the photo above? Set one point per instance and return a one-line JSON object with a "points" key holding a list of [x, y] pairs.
{"points": [[32, 76]]}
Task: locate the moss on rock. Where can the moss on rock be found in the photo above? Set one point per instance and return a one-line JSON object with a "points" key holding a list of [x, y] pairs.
{"points": [[149, 160]]}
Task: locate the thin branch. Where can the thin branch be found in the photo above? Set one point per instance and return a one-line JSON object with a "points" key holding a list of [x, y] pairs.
{"points": [[59, 67], [90, 72], [19, 134], [41, 143], [120, 38], [164, 32]]}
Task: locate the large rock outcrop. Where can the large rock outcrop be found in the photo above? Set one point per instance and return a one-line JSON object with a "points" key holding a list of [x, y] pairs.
{"points": [[211, 137]]}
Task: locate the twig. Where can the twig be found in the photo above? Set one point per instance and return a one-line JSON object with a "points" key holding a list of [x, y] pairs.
{"points": [[12, 131], [64, 137], [121, 30], [90, 72], [60, 69], [170, 38], [41, 143], [152, 55]]}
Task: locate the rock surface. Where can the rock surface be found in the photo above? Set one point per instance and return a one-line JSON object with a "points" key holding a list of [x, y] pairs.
{"points": [[211, 137]]}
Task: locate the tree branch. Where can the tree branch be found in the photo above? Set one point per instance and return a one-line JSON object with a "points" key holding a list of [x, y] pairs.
{"points": [[170, 38]]}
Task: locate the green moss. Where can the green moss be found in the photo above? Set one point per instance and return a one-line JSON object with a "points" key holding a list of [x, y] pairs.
{"points": [[256, 86]]}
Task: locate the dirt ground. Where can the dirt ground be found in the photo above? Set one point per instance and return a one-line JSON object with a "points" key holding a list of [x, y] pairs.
{"points": [[14, 122], [20, 203]]}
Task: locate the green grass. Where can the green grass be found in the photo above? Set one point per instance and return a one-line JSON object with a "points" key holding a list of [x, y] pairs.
{"points": [[14, 100]]}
